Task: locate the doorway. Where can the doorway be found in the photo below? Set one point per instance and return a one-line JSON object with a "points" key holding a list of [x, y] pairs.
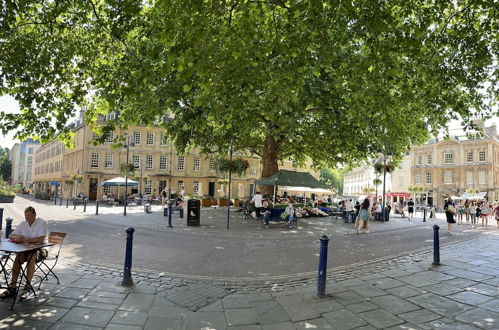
{"points": [[211, 189], [92, 189]]}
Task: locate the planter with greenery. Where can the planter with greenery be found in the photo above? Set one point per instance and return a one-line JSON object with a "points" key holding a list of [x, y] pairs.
{"points": [[207, 201], [6, 196], [222, 201]]}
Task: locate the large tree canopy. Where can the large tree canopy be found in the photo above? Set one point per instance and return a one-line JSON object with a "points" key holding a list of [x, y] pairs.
{"points": [[331, 81]]}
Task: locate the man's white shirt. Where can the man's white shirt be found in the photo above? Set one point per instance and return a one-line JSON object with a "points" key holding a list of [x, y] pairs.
{"points": [[37, 229], [258, 200]]}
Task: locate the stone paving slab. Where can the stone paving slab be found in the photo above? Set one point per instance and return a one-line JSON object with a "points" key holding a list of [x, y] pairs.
{"points": [[401, 294]]}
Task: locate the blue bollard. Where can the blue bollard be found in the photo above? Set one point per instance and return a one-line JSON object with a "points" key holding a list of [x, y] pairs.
{"points": [[85, 205], [321, 277], [127, 273], [181, 213], [165, 211], [1, 217], [96, 207], [436, 246], [8, 226], [170, 211], [67, 203]]}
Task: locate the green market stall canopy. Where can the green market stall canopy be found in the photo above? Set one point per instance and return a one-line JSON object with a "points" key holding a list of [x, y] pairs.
{"points": [[292, 179]]}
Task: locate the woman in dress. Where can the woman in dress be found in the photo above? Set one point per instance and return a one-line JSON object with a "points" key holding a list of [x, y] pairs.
{"points": [[364, 216], [450, 211]]}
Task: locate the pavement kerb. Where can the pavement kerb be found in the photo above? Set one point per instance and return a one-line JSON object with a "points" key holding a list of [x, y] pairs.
{"points": [[308, 277]]}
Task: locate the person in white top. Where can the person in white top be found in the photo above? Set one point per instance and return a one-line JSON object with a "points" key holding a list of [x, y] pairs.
{"points": [[257, 199], [33, 230]]}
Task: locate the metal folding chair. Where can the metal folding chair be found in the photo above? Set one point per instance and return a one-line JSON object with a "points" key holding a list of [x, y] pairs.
{"points": [[46, 267]]}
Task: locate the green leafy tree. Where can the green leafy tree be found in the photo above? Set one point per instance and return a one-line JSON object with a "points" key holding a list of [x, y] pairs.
{"points": [[334, 178], [333, 82], [5, 165]]}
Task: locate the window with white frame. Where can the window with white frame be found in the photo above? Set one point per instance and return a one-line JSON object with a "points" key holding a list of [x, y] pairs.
{"points": [[429, 159], [150, 138], [148, 187], [469, 177], [180, 186], [419, 160], [94, 160], [469, 156], [149, 161], [448, 158], [136, 161], [195, 188], [108, 163], [428, 177], [448, 177], [136, 138], [162, 141], [107, 189], [418, 178], [163, 162], [197, 164], [481, 156], [181, 163], [211, 165], [110, 137], [481, 177]]}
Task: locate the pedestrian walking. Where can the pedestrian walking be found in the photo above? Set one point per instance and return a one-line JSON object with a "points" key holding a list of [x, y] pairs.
{"points": [[460, 213], [496, 214], [433, 212], [450, 211], [257, 199], [467, 211], [473, 212], [364, 216], [485, 214], [410, 209]]}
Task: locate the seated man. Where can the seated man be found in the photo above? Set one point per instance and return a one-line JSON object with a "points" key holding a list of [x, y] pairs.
{"points": [[33, 230], [265, 213], [289, 214]]}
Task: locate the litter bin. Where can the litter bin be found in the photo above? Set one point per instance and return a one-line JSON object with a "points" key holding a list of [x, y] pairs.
{"points": [[193, 212], [147, 208]]}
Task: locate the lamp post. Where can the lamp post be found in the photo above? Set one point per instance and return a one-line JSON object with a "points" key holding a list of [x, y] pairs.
{"points": [[125, 199]]}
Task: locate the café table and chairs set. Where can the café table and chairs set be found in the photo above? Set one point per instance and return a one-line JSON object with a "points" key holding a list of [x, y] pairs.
{"points": [[43, 268]]}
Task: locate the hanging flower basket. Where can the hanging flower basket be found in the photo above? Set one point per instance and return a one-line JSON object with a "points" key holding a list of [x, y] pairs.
{"points": [[473, 190], [378, 168], [236, 166], [77, 178]]}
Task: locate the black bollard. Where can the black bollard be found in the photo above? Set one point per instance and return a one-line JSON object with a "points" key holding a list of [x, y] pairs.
{"points": [[8, 226], [74, 204], [436, 246], [55, 200], [85, 205], [127, 273], [170, 211], [165, 211], [96, 207], [67, 203], [60, 201], [321, 277], [424, 214], [181, 213], [1, 217]]}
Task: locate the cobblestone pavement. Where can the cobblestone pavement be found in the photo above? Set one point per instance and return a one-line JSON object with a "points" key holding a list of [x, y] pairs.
{"points": [[405, 292]]}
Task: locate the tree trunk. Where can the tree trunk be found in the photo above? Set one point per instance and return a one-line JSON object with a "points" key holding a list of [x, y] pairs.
{"points": [[269, 163]]}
